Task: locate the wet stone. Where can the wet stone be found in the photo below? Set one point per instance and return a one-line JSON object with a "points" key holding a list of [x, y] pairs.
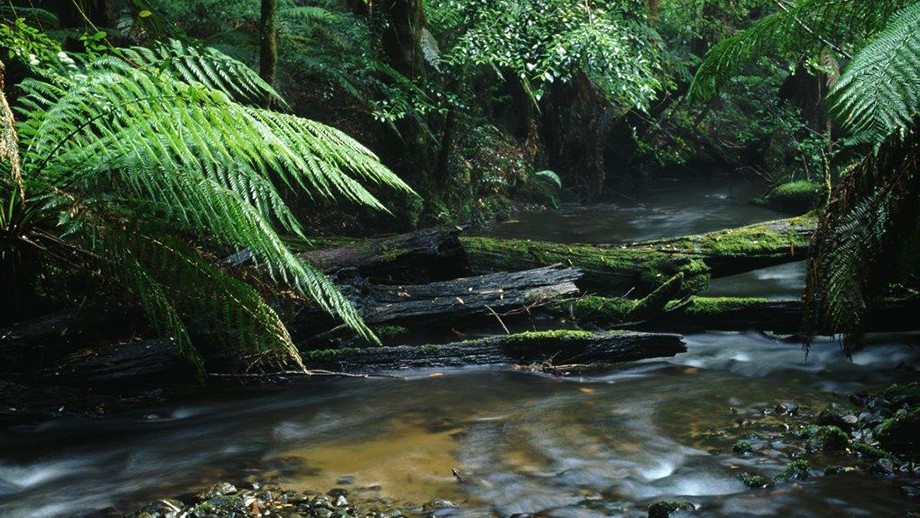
{"points": [[670, 509], [786, 408], [347, 480], [221, 489], [911, 491]]}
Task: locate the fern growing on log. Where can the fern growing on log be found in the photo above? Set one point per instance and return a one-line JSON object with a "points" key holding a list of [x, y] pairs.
{"points": [[142, 153]]}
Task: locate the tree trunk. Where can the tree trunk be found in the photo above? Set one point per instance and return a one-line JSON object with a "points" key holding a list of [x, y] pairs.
{"points": [[268, 41], [78, 13], [573, 134]]}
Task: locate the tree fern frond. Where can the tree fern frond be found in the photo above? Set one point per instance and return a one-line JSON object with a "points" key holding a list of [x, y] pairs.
{"points": [[209, 67], [872, 211], [879, 92], [125, 142], [804, 25], [160, 310]]}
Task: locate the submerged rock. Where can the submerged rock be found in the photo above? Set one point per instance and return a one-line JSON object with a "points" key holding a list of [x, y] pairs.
{"points": [[670, 509]]}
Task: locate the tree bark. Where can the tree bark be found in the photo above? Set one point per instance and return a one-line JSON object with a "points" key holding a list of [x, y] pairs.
{"points": [[432, 254], [268, 41], [550, 348], [447, 301]]}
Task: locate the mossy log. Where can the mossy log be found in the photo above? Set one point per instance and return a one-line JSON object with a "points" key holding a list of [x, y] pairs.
{"points": [[432, 254], [640, 268], [723, 314], [445, 301], [558, 347]]}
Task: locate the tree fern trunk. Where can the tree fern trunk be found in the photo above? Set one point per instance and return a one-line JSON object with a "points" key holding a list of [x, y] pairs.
{"points": [[268, 41]]}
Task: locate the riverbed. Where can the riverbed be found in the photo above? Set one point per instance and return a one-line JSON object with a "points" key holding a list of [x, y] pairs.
{"points": [[496, 441]]}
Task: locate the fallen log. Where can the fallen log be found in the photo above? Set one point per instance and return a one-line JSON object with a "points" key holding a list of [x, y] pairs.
{"points": [[558, 347], [738, 250], [136, 361], [700, 314], [639, 268], [27, 345], [432, 254], [447, 301]]}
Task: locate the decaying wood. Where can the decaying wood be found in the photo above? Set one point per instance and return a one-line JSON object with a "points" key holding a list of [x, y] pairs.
{"points": [[136, 361], [446, 301], [432, 254], [551, 347], [29, 344]]}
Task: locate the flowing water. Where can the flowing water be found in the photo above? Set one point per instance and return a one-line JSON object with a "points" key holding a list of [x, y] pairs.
{"points": [[607, 444]]}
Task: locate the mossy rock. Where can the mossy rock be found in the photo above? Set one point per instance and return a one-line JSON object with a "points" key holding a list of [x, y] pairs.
{"points": [[670, 509], [825, 438], [796, 197], [742, 447], [901, 434], [900, 394], [755, 481], [795, 470]]}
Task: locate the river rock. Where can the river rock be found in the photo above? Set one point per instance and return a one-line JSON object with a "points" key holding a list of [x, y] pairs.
{"points": [[221, 489], [670, 509], [901, 434]]}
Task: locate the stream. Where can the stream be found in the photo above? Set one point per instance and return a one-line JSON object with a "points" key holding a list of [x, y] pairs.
{"points": [[607, 444]]}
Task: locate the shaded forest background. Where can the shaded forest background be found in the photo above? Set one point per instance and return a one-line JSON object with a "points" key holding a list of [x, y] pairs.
{"points": [[469, 100]]}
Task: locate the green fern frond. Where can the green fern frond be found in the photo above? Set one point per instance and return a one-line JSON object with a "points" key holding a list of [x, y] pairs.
{"points": [[209, 67], [805, 25], [873, 210], [879, 92]]}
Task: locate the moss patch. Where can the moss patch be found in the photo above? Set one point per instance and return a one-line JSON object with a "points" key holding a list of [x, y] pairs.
{"points": [[719, 305], [555, 335], [799, 196]]}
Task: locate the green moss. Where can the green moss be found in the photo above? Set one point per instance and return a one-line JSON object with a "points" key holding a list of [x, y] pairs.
{"points": [[604, 269], [666, 509], [795, 470], [323, 355], [719, 305], [825, 438], [430, 350], [900, 434], [869, 451], [390, 331], [799, 196], [755, 481], [742, 447], [655, 302], [909, 392], [389, 255], [593, 308], [555, 335]]}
